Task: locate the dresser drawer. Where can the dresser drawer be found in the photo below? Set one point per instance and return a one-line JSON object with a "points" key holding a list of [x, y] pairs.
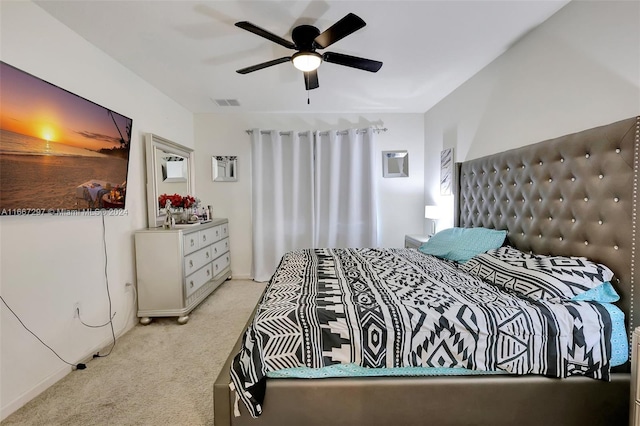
{"points": [[209, 236], [191, 242], [221, 263], [175, 268], [197, 260], [220, 247], [196, 280], [215, 234]]}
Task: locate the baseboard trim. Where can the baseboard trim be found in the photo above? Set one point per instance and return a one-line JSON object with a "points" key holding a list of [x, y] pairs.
{"points": [[20, 401], [45, 384], [241, 277]]}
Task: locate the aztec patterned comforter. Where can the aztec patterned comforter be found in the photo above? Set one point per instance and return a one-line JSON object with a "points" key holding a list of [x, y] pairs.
{"points": [[401, 308]]}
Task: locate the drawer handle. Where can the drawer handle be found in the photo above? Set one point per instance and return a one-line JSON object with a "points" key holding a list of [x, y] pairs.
{"points": [[216, 267], [191, 263], [217, 233], [204, 238], [215, 249], [208, 272], [191, 284], [226, 244], [207, 255], [193, 242]]}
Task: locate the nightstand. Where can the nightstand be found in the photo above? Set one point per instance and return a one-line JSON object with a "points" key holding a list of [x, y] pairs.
{"points": [[415, 240]]}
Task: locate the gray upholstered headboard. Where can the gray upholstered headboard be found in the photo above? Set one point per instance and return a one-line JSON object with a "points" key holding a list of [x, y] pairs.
{"points": [[575, 195]]}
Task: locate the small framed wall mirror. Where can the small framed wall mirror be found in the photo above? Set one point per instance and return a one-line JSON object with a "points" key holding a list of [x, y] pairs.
{"points": [[395, 164], [225, 168]]}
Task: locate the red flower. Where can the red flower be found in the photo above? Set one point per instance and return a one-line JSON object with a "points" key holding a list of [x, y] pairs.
{"points": [[177, 200], [188, 201]]}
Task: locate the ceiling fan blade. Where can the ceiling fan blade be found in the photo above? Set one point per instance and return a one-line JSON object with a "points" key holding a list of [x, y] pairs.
{"points": [[245, 25], [311, 79], [347, 25], [257, 67], [352, 61]]}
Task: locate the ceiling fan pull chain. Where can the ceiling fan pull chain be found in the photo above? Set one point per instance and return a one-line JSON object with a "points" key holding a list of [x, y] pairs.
{"points": [[308, 102]]}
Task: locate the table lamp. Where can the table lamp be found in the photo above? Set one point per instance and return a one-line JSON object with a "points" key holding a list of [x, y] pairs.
{"points": [[432, 213]]}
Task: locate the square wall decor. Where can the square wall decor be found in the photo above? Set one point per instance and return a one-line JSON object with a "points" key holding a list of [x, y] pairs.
{"points": [[395, 164], [224, 168]]}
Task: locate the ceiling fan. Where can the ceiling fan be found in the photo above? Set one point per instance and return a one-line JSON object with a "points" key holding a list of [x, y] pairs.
{"points": [[306, 39]]}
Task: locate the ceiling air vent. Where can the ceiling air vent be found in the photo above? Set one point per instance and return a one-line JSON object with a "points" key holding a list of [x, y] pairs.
{"points": [[227, 102]]}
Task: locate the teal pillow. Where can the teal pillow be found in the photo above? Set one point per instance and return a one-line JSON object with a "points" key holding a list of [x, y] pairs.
{"points": [[461, 244], [604, 293]]}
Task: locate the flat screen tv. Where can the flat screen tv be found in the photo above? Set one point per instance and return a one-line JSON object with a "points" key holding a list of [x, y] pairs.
{"points": [[59, 152]]}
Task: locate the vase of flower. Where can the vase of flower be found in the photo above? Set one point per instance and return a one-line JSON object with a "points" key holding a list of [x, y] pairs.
{"points": [[178, 208], [184, 215], [178, 214]]}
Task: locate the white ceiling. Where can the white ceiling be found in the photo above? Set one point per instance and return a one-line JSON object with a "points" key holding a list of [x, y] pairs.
{"points": [[190, 50]]}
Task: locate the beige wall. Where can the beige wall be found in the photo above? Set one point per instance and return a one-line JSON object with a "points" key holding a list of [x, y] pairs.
{"points": [[579, 69], [401, 199], [49, 263]]}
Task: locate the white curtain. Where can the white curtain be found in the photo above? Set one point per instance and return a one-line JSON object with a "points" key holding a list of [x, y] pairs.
{"points": [[311, 189], [345, 190], [282, 197]]}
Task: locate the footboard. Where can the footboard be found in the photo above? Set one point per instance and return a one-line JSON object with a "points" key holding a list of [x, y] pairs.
{"points": [[454, 400], [487, 400]]}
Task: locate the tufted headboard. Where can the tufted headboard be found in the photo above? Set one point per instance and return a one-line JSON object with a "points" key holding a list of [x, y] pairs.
{"points": [[575, 195]]}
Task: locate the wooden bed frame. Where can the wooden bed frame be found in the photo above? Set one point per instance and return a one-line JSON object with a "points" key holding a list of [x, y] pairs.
{"points": [[574, 195]]}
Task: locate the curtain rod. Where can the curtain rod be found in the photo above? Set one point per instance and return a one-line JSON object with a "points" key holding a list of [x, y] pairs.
{"points": [[342, 132]]}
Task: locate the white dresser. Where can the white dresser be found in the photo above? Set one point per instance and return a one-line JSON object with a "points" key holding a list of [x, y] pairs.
{"points": [[178, 268], [634, 418]]}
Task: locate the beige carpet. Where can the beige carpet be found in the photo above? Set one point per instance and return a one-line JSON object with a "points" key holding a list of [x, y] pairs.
{"points": [[160, 374]]}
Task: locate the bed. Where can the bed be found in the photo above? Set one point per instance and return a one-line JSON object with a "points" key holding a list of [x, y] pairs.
{"points": [[570, 196]]}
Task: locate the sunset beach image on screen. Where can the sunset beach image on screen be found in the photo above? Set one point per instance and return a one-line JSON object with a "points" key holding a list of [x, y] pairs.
{"points": [[58, 151]]}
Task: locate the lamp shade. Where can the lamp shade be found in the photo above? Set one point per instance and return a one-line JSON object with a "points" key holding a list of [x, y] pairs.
{"points": [[431, 212]]}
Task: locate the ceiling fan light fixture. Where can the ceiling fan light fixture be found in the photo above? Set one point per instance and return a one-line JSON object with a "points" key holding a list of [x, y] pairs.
{"points": [[306, 61]]}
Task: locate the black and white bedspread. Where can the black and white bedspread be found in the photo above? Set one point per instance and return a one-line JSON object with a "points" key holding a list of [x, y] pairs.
{"points": [[401, 308]]}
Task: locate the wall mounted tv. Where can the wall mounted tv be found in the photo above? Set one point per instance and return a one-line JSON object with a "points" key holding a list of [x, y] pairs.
{"points": [[59, 153]]}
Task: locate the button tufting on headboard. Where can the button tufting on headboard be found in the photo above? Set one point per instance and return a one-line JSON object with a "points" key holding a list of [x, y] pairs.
{"points": [[573, 203]]}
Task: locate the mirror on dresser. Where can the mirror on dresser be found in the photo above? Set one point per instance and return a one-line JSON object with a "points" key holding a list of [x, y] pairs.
{"points": [[170, 170]]}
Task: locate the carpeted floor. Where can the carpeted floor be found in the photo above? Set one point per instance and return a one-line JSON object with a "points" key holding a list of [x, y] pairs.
{"points": [[159, 374]]}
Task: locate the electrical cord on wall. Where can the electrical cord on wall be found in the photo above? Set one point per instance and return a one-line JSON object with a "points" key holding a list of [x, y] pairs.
{"points": [[82, 366], [94, 326], [79, 366], [106, 277]]}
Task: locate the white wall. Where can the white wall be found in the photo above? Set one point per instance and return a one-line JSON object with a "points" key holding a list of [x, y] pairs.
{"points": [[48, 263], [578, 70], [401, 199]]}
